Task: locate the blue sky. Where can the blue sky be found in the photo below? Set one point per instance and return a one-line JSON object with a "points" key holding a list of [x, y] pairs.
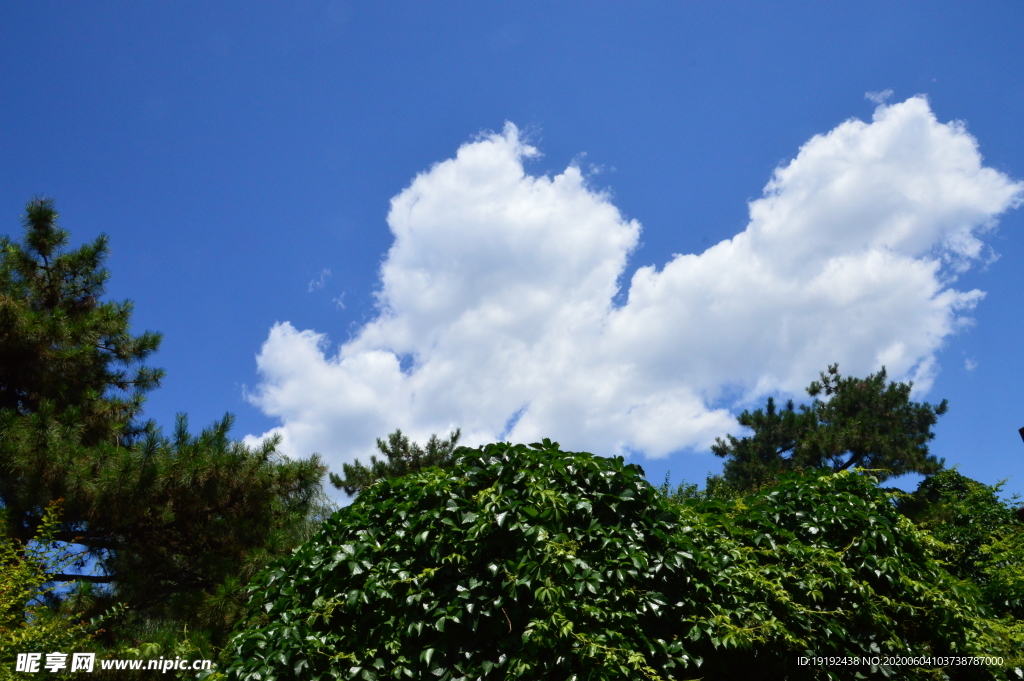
{"points": [[237, 152]]}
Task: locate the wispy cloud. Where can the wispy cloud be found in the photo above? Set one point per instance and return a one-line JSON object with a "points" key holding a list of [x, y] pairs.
{"points": [[320, 281], [496, 308], [878, 97]]}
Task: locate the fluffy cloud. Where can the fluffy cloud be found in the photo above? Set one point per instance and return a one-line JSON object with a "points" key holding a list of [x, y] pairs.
{"points": [[496, 307]]}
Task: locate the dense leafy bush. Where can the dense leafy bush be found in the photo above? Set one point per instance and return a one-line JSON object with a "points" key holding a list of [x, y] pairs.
{"points": [[532, 563], [527, 563]]}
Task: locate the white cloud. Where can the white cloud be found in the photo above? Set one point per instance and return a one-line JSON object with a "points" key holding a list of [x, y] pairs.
{"points": [[496, 298]]}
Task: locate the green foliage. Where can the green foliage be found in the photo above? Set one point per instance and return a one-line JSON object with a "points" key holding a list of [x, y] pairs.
{"points": [[684, 491], [864, 423], [71, 374], [844, 573], [62, 348], [192, 518], [401, 458], [533, 563], [172, 527], [984, 540], [26, 624], [492, 572]]}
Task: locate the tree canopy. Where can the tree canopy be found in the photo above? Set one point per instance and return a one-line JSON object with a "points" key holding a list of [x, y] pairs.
{"points": [[864, 422]]}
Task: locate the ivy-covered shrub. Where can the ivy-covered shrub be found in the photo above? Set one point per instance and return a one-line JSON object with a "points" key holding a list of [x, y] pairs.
{"points": [[841, 572], [982, 536], [533, 563]]}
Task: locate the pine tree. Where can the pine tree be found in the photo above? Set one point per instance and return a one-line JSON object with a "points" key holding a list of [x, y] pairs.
{"points": [[865, 423], [71, 374], [170, 526], [401, 458], [61, 347]]}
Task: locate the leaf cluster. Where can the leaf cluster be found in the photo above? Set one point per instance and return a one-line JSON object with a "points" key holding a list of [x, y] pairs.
{"points": [[207, 509]]}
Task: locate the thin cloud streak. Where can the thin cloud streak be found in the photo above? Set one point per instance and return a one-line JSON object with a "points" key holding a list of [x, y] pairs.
{"points": [[320, 281]]}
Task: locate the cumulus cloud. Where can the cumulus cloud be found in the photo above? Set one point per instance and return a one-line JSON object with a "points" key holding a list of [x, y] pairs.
{"points": [[496, 304]]}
